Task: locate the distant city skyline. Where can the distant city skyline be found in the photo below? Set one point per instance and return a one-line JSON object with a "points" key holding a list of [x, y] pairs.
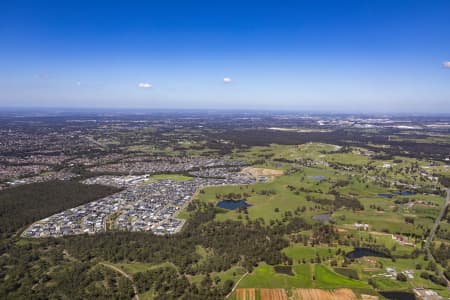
{"points": [[352, 56]]}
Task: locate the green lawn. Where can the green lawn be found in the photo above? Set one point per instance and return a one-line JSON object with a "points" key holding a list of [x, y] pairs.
{"points": [[389, 284], [328, 279], [355, 180], [265, 277], [264, 206], [299, 251], [234, 274]]}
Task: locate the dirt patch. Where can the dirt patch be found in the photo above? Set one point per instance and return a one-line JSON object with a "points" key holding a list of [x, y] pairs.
{"points": [[273, 294], [298, 294], [371, 269], [262, 172], [246, 294], [241, 294], [317, 294], [368, 297], [251, 294], [379, 233]]}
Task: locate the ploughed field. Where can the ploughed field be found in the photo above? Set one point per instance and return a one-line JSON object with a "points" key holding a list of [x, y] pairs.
{"points": [[296, 294]]}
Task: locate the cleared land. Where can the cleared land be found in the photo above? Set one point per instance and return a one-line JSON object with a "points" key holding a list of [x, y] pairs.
{"points": [[273, 294], [316, 294], [297, 294], [262, 171]]}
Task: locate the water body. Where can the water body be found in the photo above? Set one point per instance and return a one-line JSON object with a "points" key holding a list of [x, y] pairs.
{"points": [[317, 177], [387, 195], [407, 193], [362, 252], [232, 204], [398, 295], [322, 218]]}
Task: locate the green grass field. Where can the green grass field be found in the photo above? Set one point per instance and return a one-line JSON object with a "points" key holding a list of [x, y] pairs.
{"points": [[305, 276], [263, 206], [265, 277], [364, 178], [299, 251], [328, 279]]}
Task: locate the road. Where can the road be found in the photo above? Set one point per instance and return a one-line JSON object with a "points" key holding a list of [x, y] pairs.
{"points": [[118, 270], [439, 218], [236, 285], [434, 229]]}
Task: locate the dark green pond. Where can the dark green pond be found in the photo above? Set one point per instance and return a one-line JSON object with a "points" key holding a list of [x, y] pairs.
{"points": [[232, 204]]}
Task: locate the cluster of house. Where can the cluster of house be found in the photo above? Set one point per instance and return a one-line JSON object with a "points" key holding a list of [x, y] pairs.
{"points": [[34, 159], [156, 206], [142, 206], [117, 181], [427, 294], [10, 171], [46, 141], [60, 175], [104, 159], [215, 172], [402, 240], [360, 226], [169, 166], [87, 218], [392, 274]]}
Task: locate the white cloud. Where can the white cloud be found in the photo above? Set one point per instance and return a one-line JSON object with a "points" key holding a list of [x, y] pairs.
{"points": [[226, 80], [145, 85], [446, 64]]}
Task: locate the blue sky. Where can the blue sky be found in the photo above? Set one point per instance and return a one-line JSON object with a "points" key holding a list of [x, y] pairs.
{"points": [[355, 56]]}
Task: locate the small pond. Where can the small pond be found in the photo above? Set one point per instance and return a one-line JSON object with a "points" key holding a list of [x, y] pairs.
{"points": [[388, 195], [407, 193], [393, 295], [232, 204], [286, 270], [317, 177], [385, 195], [322, 218], [362, 252]]}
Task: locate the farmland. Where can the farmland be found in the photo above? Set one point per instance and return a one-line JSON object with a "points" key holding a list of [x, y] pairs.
{"points": [[297, 294]]}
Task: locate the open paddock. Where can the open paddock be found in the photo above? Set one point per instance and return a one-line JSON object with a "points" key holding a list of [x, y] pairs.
{"points": [[317, 294]]}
